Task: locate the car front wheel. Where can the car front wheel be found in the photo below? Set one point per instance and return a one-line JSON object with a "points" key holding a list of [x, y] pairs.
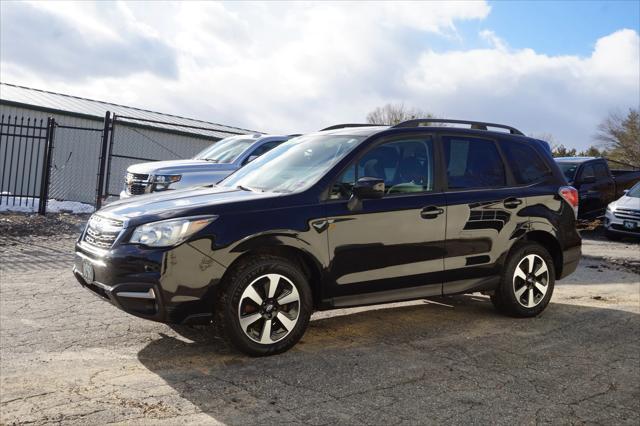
{"points": [[265, 305], [527, 282]]}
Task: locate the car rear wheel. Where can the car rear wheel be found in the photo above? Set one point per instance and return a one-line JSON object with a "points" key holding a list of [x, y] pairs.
{"points": [[527, 282], [264, 306]]}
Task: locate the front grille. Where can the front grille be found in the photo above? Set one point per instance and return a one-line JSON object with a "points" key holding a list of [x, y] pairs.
{"points": [[627, 214], [136, 183], [102, 232], [136, 189]]}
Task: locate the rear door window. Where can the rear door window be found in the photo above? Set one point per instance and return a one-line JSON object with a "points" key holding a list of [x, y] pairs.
{"points": [[588, 172], [526, 165], [601, 171], [472, 163]]}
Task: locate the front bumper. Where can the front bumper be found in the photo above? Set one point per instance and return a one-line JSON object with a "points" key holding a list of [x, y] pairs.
{"points": [[619, 226], [175, 285]]}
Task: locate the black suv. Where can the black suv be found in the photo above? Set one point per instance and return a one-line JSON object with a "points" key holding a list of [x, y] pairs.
{"points": [[351, 215]]}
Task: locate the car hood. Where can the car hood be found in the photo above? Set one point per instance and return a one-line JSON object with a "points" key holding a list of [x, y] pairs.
{"points": [[178, 167], [180, 203], [627, 203]]}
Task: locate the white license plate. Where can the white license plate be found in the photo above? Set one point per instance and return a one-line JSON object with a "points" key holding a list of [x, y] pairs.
{"points": [[87, 271], [629, 225]]}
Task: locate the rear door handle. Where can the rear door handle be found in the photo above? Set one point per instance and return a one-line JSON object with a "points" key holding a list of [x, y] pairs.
{"points": [[512, 203], [431, 212]]}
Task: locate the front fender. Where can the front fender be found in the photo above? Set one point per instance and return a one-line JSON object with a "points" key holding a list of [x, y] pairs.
{"points": [[287, 239]]}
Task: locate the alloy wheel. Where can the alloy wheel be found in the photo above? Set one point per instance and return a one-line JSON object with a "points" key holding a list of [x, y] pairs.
{"points": [[269, 308], [531, 280]]}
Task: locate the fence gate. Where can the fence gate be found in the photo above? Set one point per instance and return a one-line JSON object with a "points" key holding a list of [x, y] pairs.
{"points": [[25, 157], [74, 162]]}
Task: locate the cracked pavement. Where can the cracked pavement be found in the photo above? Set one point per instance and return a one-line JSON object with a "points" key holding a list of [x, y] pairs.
{"points": [[68, 357]]}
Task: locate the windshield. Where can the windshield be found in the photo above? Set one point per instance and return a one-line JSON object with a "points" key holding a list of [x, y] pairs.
{"points": [[569, 170], [295, 165], [634, 191], [226, 150]]}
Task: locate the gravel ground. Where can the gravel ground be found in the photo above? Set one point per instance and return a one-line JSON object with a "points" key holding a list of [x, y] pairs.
{"points": [[68, 357], [19, 225]]}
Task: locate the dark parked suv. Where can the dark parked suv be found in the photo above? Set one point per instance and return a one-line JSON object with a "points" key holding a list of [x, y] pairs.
{"points": [[352, 215]]}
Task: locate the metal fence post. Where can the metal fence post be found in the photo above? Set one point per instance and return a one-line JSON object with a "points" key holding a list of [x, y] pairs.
{"points": [[102, 164], [110, 156], [46, 163]]}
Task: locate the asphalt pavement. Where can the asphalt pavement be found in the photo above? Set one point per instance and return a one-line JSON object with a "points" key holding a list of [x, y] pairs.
{"points": [[68, 357]]}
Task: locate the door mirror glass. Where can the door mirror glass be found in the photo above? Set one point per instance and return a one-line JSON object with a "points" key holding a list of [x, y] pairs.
{"points": [[369, 188], [366, 188]]}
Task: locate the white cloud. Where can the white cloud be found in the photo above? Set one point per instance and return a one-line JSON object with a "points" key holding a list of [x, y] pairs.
{"points": [[563, 95], [291, 67]]}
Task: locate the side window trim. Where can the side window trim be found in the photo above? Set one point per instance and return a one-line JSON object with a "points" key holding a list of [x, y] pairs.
{"points": [[438, 184]]}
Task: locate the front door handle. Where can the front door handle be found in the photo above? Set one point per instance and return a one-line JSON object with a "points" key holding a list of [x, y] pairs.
{"points": [[512, 203], [431, 212]]}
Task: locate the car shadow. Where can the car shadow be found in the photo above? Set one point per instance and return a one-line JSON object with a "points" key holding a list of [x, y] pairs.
{"points": [[597, 234], [425, 363]]}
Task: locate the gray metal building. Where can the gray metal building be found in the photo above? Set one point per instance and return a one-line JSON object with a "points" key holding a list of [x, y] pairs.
{"points": [[76, 154]]}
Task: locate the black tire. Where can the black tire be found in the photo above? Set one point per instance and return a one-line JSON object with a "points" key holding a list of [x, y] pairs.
{"points": [[523, 297], [612, 236], [228, 306]]}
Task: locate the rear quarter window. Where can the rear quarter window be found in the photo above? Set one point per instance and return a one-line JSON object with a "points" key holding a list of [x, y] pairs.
{"points": [[526, 164]]}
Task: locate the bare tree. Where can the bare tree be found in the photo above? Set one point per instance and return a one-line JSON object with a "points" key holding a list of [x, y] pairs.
{"points": [[621, 134], [391, 114], [562, 151], [557, 149]]}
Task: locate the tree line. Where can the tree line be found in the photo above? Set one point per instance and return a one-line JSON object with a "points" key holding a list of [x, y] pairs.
{"points": [[617, 136]]}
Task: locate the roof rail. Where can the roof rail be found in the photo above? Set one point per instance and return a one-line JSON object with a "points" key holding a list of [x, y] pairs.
{"points": [[478, 125], [342, 126]]}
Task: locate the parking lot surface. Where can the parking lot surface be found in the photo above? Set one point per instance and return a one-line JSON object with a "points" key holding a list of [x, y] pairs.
{"points": [[69, 357]]}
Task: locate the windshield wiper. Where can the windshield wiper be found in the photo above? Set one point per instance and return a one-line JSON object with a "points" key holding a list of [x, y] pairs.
{"points": [[246, 188], [211, 159]]}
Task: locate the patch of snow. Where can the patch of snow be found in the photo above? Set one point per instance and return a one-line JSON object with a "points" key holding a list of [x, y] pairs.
{"points": [[30, 205]]}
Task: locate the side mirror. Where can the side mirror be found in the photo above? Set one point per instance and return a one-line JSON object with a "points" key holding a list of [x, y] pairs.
{"points": [[625, 192], [251, 158], [588, 179], [366, 188]]}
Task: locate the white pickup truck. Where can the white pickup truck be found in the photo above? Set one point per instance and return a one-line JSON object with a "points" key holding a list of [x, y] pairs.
{"points": [[208, 167]]}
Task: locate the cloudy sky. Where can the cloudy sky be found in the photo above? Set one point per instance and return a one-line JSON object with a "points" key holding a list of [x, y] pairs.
{"points": [[544, 67]]}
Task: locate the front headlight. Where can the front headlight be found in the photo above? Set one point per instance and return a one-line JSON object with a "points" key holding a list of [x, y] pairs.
{"points": [[166, 179], [169, 232], [610, 208]]}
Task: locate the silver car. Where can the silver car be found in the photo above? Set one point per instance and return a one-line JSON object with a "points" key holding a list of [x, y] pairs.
{"points": [[622, 218], [208, 167]]}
